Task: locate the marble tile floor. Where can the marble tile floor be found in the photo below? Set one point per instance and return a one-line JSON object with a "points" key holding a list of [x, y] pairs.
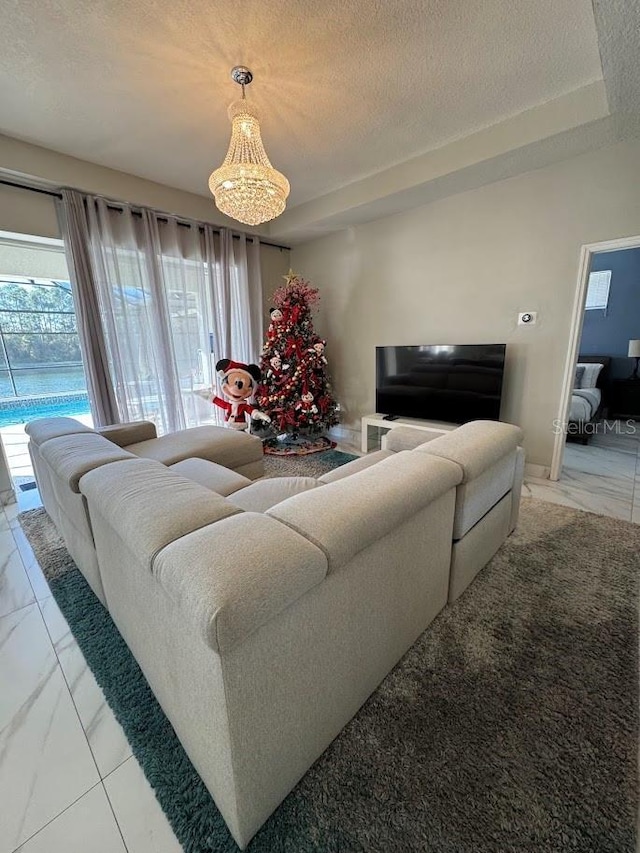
{"points": [[15, 441], [68, 781], [601, 477], [66, 771]]}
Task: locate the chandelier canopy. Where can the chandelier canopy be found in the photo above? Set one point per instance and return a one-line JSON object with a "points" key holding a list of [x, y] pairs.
{"points": [[247, 187]]}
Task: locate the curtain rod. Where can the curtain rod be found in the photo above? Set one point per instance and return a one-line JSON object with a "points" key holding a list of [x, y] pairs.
{"points": [[116, 206]]}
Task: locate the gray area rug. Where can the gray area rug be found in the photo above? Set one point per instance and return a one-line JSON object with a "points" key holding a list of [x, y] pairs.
{"points": [[510, 725], [310, 465]]}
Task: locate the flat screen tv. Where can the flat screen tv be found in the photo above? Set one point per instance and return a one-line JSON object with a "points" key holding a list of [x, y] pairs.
{"points": [[457, 383]]}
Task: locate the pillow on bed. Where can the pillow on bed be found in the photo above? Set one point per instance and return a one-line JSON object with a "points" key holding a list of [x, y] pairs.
{"points": [[590, 375], [579, 375]]}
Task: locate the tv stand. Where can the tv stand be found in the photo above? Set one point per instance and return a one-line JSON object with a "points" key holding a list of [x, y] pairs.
{"points": [[380, 421]]}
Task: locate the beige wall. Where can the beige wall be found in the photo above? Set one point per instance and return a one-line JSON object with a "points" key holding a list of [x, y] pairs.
{"points": [[459, 271], [274, 264], [27, 212], [60, 170]]}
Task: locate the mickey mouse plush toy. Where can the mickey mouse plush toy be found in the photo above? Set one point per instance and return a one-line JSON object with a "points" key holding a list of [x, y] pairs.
{"points": [[238, 384]]}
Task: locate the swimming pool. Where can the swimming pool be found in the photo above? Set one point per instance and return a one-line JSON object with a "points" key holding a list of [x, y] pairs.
{"points": [[42, 381], [21, 410]]}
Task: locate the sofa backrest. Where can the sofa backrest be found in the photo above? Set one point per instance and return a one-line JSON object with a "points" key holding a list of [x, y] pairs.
{"points": [[234, 576], [475, 446], [43, 429], [71, 456], [486, 452], [148, 506], [231, 570], [347, 515]]}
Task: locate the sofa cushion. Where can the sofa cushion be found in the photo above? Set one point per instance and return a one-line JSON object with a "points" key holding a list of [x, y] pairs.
{"points": [[149, 505], [232, 578], [43, 429], [344, 517], [263, 494], [71, 456], [358, 464], [228, 447], [475, 446], [216, 477]]}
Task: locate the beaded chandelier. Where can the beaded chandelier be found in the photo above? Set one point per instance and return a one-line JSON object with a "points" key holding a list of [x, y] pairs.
{"points": [[247, 187]]}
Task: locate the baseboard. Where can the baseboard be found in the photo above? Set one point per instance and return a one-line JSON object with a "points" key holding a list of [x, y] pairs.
{"points": [[346, 434], [539, 472]]}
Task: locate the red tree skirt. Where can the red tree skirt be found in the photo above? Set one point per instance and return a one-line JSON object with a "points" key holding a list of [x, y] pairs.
{"points": [[297, 447]]}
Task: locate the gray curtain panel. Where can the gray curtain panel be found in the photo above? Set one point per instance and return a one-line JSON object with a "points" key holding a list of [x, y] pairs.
{"points": [[160, 300], [74, 226]]}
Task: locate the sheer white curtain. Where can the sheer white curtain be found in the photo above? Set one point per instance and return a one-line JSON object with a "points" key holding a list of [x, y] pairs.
{"points": [[174, 297]]}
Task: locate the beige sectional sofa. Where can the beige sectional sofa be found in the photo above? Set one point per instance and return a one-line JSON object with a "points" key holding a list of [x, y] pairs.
{"points": [[263, 619], [63, 449], [487, 498]]}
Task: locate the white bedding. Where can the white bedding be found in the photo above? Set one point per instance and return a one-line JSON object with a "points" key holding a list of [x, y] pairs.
{"points": [[584, 404]]}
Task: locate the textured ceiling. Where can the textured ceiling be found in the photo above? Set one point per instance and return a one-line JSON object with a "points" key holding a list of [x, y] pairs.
{"points": [[346, 88]]}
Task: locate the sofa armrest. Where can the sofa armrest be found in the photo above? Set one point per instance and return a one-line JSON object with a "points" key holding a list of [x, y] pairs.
{"points": [[476, 446], [230, 578], [129, 433], [344, 517]]}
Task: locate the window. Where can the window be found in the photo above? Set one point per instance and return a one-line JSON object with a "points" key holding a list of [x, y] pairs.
{"points": [[39, 347], [598, 290]]}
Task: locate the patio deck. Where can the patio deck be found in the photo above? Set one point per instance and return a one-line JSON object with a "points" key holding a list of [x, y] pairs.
{"points": [[15, 441]]}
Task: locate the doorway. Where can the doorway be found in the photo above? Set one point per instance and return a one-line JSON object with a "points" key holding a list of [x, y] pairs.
{"points": [[596, 453]]}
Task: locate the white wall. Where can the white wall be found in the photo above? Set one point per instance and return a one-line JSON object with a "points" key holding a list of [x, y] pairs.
{"points": [[460, 269]]}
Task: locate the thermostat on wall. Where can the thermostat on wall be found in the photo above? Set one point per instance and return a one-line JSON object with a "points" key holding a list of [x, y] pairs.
{"points": [[527, 318]]}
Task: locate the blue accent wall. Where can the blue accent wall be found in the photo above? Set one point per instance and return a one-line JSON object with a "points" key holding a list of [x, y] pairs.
{"points": [[609, 332]]}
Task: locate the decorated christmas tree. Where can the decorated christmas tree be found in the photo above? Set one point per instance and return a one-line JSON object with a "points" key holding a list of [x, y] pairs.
{"points": [[295, 391]]}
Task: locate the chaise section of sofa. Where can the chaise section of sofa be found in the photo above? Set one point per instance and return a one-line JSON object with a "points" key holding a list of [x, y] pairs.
{"points": [[235, 449]]}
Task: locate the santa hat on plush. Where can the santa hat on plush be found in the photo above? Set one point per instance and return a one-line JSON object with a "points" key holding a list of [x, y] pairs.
{"points": [[251, 371]]}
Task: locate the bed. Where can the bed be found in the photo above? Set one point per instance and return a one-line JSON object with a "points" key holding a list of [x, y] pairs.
{"points": [[589, 397]]}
